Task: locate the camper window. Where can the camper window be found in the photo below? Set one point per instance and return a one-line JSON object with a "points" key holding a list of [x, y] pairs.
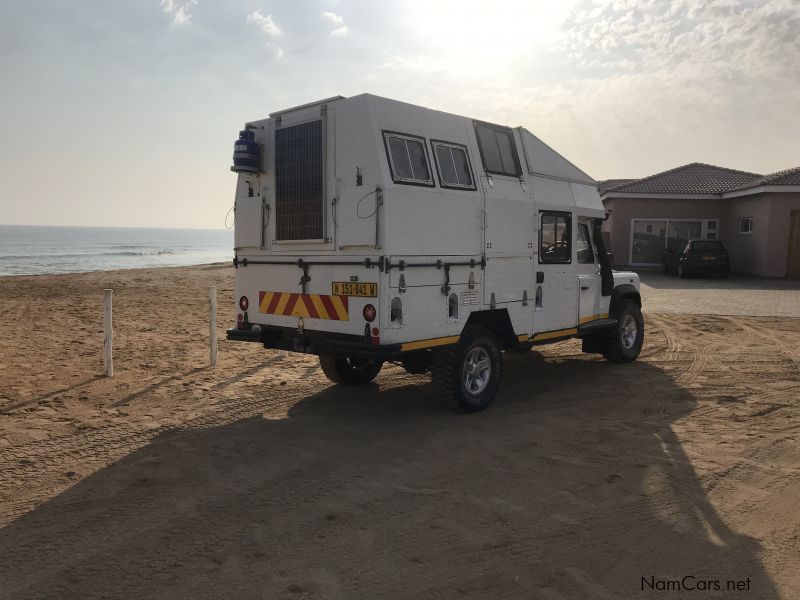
{"points": [[555, 236], [408, 159], [498, 151], [452, 162]]}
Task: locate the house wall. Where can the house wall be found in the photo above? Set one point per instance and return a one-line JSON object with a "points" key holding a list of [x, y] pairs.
{"points": [[777, 252], [748, 251], [618, 225], [762, 252]]}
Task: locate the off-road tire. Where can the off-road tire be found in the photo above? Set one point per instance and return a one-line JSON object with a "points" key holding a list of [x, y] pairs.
{"points": [[349, 371], [616, 350], [664, 267], [447, 371]]}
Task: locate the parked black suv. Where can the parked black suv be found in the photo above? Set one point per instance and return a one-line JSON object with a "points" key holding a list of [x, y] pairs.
{"points": [[696, 257]]}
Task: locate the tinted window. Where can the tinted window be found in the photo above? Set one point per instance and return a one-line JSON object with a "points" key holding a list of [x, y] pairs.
{"points": [[408, 159], [497, 149], [554, 238], [584, 245], [453, 165]]}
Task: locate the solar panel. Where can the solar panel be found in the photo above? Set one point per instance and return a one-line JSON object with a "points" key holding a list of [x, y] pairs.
{"points": [[299, 182]]}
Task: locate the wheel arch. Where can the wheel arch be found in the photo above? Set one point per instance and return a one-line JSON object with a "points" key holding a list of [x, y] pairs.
{"points": [[498, 322], [623, 292]]}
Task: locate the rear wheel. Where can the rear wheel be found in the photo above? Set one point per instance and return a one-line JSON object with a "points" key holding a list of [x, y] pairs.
{"points": [[626, 338], [664, 267], [468, 374], [350, 370]]}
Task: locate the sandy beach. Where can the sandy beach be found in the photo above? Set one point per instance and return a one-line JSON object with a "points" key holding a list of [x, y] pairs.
{"points": [[259, 479]]}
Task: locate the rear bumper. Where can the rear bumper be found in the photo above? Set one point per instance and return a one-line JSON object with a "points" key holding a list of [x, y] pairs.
{"points": [[314, 342], [706, 267]]}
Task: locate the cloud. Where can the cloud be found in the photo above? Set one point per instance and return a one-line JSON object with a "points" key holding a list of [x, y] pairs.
{"points": [[179, 9], [270, 29], [266, 24], [338, 23]]}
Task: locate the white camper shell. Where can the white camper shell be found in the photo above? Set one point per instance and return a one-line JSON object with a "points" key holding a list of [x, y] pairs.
{"points": [[371, 230]]}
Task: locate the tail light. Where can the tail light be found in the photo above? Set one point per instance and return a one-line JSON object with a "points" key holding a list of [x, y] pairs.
{"points": [[370, 313], [244, 303]]}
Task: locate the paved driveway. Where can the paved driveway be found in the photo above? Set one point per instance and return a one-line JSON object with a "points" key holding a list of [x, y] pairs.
{"points": [[738, 295]]}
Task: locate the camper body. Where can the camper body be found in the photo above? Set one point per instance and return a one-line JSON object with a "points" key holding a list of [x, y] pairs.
{"points": [[370, 230]]}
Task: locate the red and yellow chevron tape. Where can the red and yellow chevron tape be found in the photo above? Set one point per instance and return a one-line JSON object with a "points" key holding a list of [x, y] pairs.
{"points": [[314, 306]]}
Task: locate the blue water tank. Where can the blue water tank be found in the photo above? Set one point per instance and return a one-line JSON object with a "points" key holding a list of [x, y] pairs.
{"points": [[246, 153]]}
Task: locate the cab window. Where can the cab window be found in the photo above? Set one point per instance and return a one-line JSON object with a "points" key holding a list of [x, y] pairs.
{"points": [[555, 234], [584, 245]]}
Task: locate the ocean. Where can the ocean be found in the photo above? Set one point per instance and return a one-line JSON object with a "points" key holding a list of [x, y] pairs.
{"points": [[33, 250]]}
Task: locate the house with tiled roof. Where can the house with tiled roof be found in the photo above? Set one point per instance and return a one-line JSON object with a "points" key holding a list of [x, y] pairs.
{"points": [[756, 216]]}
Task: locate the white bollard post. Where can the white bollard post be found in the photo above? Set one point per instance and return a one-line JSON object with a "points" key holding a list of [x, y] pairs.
{"points": [[108, 335], [212, 323]]}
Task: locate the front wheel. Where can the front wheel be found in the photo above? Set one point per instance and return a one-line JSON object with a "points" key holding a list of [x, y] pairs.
{"points": [[625, 340], [468, 374], [350, 370]]}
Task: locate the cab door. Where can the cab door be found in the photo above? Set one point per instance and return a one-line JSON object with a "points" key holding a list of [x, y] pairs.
{"points": [[556, 295], [588, 271]]}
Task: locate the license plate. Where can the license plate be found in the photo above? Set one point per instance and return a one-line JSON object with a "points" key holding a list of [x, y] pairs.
{"points": [[708, 258], [350, 288]]}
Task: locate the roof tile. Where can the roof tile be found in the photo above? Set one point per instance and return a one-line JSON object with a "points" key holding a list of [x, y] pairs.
{"points": [[694, 178]]}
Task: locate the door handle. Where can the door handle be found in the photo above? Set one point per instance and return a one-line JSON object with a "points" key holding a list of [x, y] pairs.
{"points": [[584, 287]]}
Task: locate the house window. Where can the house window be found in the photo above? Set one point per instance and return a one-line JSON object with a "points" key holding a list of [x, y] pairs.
{"points": [[554, 237], [498, 152], [745, 225], [452, 163], [408, 159], [710, 229]]}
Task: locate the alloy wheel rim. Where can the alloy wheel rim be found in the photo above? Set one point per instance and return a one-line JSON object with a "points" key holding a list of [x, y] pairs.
{"points": [[477, 371], [628, 331]]}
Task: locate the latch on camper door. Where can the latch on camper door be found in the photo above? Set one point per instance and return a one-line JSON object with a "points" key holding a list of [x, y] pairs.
{"points": [[522, 183], [305, 278]]}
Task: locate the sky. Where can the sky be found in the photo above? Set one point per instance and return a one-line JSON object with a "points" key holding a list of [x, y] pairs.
{"points": [[124, 112]]}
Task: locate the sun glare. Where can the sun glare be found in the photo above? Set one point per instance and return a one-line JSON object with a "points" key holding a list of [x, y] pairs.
{"points": [[477, 35]]}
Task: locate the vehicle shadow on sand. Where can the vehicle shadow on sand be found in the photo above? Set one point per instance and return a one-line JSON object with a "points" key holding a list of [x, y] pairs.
{"points": [[572, 486]]}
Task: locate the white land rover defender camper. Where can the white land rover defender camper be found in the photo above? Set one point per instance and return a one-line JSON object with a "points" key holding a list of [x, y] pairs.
{"points": [[370, 230]]}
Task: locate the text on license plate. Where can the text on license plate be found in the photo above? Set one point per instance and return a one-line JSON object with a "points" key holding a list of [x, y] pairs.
{"points": [[708, 258], [349, 288]]}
